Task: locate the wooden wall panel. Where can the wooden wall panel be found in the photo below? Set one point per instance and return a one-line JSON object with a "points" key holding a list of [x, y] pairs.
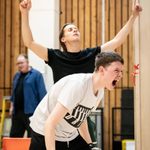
{"points": [[2, 46], [107, 121], [62, 12], [75, 12], [98, 22], [11, 43], [93, 23], [81, 23], [118, 25], [112, 93], [7, 61], [15, 33], [125, 45], [107, 106], [87, 23], [142, 92], [130, 52]]}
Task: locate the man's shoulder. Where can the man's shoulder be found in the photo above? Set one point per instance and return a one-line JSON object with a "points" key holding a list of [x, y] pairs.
{"points": [[33, 70], [17, 74], [79, 78]]}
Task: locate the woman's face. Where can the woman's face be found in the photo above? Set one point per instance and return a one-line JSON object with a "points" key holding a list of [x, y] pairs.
{"points": [[71, 33]]}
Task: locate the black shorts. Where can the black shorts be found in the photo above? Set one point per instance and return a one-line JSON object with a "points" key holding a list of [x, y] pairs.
{"points": [[38, 143]]}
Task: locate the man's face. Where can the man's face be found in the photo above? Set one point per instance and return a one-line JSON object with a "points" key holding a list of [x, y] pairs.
{"points": [[22, 64], [71, 33], [112, 74]]}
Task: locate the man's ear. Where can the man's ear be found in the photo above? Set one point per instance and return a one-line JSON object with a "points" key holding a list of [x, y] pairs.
{"points": [[63, 39], [101, 69]]}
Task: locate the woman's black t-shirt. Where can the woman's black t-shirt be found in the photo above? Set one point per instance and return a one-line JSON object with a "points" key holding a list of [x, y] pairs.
{"points": [[66, 63]]}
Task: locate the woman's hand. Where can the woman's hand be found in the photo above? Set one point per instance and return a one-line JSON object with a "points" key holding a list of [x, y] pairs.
{"points": [[25, 5]]}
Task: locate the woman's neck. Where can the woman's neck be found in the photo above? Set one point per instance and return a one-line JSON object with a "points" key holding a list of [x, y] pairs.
{"points": [[73, 47]]}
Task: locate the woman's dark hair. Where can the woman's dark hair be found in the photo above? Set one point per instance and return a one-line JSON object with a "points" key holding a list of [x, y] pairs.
{"points": [[61, 34], [106, 58]]}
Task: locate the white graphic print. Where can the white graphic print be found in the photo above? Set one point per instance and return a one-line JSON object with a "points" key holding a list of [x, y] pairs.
{"points": [[78, 115]]}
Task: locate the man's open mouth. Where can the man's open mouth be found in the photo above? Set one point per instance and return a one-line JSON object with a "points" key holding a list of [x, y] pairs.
{"points": [[114, 82]]}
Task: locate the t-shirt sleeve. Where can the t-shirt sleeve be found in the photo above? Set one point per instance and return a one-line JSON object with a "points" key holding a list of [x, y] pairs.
{"points": [[71, 94], [98, 49], [50, 53], [94, 51]]}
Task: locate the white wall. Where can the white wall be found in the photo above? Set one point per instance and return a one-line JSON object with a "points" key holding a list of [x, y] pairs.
{"points": [[44, 23]]}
